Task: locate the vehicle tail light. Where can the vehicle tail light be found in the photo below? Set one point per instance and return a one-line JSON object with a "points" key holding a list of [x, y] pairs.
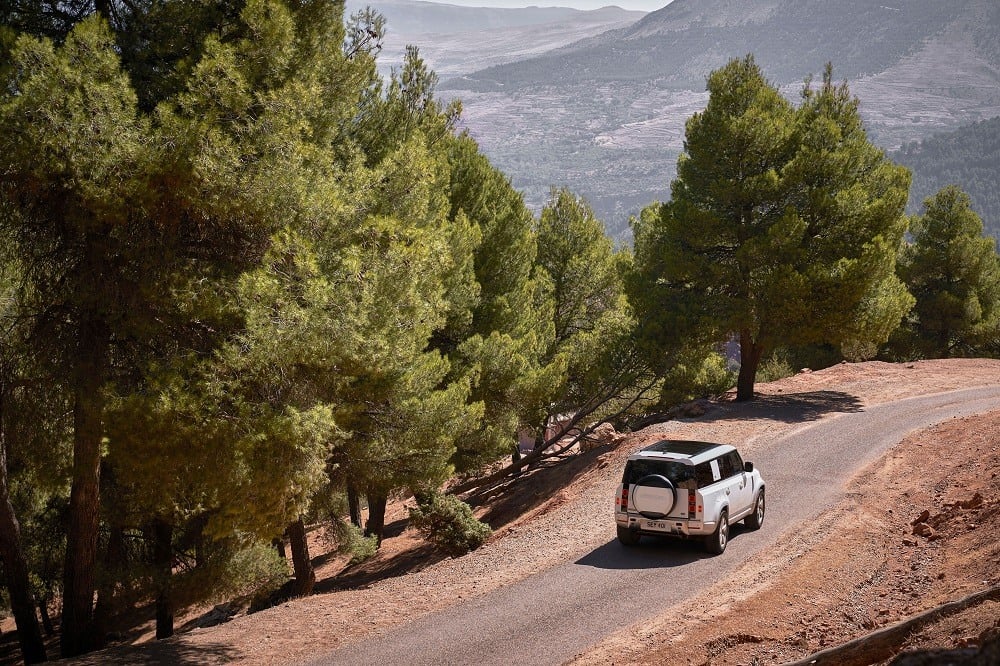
{"points": [[624, 497], [691, 503]]}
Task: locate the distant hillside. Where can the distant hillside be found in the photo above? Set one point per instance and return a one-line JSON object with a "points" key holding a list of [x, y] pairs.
{"points": [[417, 17], [605, 116], [679, 44], [456, 40], [968, 157]]}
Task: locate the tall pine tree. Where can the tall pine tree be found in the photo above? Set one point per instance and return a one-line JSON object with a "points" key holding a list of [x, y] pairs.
{"points": [[782, 229]]}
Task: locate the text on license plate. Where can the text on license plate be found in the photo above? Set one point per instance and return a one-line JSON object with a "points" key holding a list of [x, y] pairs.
{"points": [[655, 525]]}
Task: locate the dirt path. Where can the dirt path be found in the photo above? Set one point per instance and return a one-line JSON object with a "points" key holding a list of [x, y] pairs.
{"points": [[542, 527], [550, 617]]}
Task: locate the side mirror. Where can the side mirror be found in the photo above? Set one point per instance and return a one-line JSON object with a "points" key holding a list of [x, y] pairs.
{"points": [[748, 466]]}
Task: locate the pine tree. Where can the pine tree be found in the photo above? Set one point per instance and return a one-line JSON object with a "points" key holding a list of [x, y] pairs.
{"points": [[593, 324], [14, 384], [953, 271], [401, 410], [504, 344], [120, 212], [289, 329], [579, 260], [70, 150], [782, 228]]}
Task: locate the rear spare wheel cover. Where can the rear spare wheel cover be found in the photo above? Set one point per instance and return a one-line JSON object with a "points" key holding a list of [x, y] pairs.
{"points": [[659, 481]]}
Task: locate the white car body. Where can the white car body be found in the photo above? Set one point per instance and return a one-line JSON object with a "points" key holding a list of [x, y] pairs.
{"points": [[684, 488]]}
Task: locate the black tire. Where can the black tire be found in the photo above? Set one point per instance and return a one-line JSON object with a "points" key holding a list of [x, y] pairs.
{"points": [[756, 518], [716, 542], [628, 537]]}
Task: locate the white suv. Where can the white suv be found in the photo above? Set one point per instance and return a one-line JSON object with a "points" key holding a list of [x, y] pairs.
{"points": [[688, 489]]}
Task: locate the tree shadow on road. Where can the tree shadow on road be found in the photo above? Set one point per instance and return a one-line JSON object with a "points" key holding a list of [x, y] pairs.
{"points": [[534, 488], [790, 408]]}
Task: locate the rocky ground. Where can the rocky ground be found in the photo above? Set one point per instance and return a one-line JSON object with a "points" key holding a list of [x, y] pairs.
{"points": [[917, 528]]}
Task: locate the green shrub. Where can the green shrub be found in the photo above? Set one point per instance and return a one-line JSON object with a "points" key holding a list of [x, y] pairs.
{"points": [[696, 378], [351, 540], [330, 505], [232, 567], [449, 524], [774, 368]]}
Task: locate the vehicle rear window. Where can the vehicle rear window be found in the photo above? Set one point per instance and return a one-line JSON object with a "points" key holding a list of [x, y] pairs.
{"points": [[680, 474]]}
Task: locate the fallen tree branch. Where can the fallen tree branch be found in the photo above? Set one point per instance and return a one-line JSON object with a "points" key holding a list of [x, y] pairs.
{"points": [[884, 643]]}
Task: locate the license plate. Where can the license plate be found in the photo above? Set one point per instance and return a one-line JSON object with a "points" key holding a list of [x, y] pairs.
{"points": [[655, 525]]}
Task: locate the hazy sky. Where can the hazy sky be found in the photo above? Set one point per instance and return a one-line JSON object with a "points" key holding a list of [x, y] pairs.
{"points": [[645, 5]]}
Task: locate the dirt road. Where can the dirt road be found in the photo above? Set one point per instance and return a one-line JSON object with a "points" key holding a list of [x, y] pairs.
{"points": [[559, 613]]}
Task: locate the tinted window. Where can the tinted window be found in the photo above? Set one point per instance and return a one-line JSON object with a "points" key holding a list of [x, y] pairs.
{"points": [[730, 464], [736, 461], [680, 446], [726, 466], [682, 475], [703, 472]]}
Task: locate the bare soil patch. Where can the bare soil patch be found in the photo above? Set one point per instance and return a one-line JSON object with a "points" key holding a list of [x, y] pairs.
{"points": [[858, 567]]}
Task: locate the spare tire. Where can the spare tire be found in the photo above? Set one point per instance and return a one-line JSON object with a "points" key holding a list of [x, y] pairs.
{"points": [[654, 481]]}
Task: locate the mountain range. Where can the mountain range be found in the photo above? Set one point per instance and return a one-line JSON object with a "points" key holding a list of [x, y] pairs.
{"points": [[605, 115], [678, 44], [455, 40]]}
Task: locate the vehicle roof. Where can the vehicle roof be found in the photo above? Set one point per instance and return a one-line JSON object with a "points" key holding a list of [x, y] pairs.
{"points": [[682, 450]]}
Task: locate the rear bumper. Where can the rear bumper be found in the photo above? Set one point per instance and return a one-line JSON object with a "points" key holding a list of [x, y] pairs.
{"points": [[671, 526]]}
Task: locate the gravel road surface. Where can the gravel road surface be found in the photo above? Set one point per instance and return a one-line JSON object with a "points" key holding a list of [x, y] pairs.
{"points": [[554, 615]]}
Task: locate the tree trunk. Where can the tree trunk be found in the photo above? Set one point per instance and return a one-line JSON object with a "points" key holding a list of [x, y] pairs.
{"points": [[199, 547], [354, 504], [81, 538], [750, 355], [539, 441], [22, 602], [43, 610], [279, 545], [163, 560], [944, 343], [16, 566], [305, 575], [114, 564], [105, 9], [376, 514]]}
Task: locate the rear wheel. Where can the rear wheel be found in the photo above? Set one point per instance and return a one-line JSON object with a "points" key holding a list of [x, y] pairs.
{"points": [[628, 537], [756, 519], [716, 542]]}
